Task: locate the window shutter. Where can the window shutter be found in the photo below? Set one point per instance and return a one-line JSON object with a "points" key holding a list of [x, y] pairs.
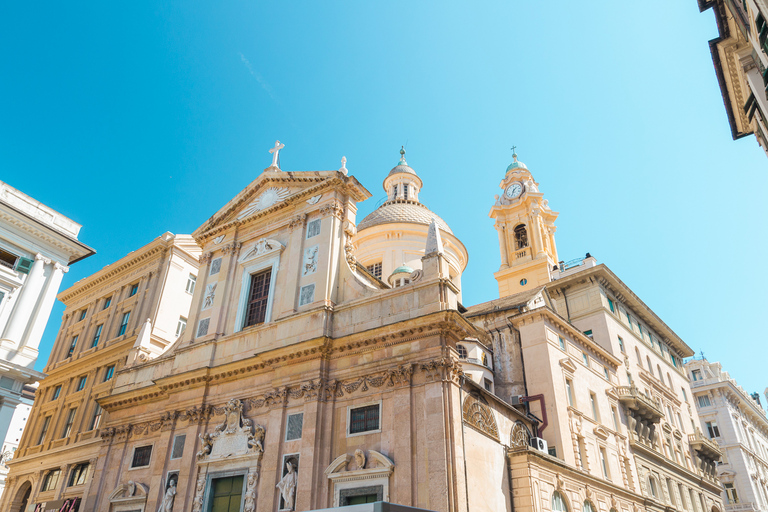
{"points": [[24, 265]]}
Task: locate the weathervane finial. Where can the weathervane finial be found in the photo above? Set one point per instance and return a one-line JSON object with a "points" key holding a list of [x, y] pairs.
{"points": [[402, 156]]}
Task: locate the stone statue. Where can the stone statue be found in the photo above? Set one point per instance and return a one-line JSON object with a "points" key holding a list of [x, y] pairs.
{"points": [[275, 152], [207, 444], [257, 441], [170, 494], [360, 458], [250, 493], [343, 165], [287, 486]]}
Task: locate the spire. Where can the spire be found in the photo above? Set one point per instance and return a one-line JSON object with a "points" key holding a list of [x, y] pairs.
{"points": [[402, 156], [434, 242]]}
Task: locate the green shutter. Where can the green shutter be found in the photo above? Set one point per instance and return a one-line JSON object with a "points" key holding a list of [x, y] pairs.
{"points": [[24, 265]]}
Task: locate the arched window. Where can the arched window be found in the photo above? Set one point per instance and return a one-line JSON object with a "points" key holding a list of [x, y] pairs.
{"points": [[485, 359], [558, 503], [639, 358], [661, 375], [462, 350], [650, 366], [588, 507], [521, 237], [669, 379], [652, 486], [394, 192]]}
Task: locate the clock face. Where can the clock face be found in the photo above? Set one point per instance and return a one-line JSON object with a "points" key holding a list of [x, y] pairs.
{"points": [[513, 190]]}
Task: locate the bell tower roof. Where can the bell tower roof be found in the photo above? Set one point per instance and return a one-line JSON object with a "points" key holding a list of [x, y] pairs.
{"points": [[516, 164], [402, 166]]}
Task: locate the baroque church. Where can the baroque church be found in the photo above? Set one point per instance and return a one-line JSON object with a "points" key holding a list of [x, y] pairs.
{"points": [[320, 362]]}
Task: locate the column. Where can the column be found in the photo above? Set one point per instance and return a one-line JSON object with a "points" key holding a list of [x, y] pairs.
{"points": [[502, 246], [536, 232], [7, 409], [17, 324], [43, 312]]}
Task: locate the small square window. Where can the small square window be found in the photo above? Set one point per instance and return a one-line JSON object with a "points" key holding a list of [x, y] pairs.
{"points": [[107, 302], [488, 385], [364, 419], [178, 446], [134, 289], [294, 427], [374, 269], [141, 456]]}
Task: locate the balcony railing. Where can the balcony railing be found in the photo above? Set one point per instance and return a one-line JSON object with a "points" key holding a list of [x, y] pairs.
{"points": [[474, 360], [521, 253], [739, 507], [704, 445], [646, 407]]}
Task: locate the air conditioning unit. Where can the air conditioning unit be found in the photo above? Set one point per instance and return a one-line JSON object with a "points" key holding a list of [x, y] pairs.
{"points": [[516, 400], [539, 444]]}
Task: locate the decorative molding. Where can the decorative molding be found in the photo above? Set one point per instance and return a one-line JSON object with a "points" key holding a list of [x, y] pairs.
{"points": [[333, 208], [262, 247], [266, 199], [233, 437], [479, 416], [520, 436]]}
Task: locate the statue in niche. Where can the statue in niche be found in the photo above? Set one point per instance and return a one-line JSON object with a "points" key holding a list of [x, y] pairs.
{"points": [[170, 495], [287, 486]]}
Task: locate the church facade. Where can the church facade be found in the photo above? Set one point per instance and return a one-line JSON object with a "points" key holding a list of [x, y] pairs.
{"points": [[329, 362]]}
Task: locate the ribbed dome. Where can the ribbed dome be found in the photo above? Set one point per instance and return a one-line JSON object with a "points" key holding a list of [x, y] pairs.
{"points": [[402, 168], [403, 269], [402, 211]]}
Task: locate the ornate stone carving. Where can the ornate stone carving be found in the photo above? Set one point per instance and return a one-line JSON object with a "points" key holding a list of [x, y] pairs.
{"points": [[219, 239], [314, 199], [520, 435], [310, 260], [205, 258], [297, 221], [479, 416], [360, 458], [334, 208], [233, 248], [233, 437], [287, 486], [269, 197], [260, 248], [166, 505], [197, 503], [250, 491], [210, 294]]}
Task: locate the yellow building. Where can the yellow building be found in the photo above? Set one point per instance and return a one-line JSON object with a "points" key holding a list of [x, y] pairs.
{"points": [[330, 363]]}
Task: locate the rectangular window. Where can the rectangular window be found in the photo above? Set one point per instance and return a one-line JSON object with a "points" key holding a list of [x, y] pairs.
{"points": [[593, 404], [51, 480], [82, 314], [56, 392], [640, 326], [78, 475], [629, 320], [588, 333], [191, 280], [374, 269], [181, 326], [364, 419], [405, 192], [712, 429], [44, 430], [605, 372], [562, 342], [81, 383], [141, 456], [96, 418], [604, 464], [703, 401], [72, 346], [109, 373], [730, 494], [258, 296], [585, 358], [294, 427], [97, 335], [685, 396], [488, 385], [7, 259], [70, 420], [178, 446], [621, 344], [124, 323], [696, 375], [107, 302], [610, 305], [569, 391], [615, 416], [134, 289]]}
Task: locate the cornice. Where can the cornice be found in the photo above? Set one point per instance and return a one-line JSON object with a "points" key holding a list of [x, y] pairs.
{"points": [[72, 247], [109, 272], [548, 314]]}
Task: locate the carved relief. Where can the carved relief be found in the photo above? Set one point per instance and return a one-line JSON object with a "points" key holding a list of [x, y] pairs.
{"points": [[197, 503], [233, 437], [269, 197], [260, 248], [310, 260], [297, 221], [520, 435], [210, 294], [314, 199], [334, 209], [478, 415]]}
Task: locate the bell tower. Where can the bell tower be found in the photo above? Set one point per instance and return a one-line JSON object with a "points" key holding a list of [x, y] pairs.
{"points": [[526, 227]]}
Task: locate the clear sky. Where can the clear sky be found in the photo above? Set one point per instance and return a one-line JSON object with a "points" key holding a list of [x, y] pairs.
{"points": [[143, 117]]}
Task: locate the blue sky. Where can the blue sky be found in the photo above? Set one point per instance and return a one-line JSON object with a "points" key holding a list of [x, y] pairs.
{"points": [[135, 119]]}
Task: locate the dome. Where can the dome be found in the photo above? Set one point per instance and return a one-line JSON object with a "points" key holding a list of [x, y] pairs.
{"points": [[402, 168], [401, 211], [516, 164], [403, 269]]}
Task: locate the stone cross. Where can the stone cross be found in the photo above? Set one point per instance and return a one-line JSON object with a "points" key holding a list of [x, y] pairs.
{"points": [[275, 152]]}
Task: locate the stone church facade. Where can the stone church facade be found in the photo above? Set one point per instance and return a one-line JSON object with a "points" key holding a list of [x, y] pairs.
{"points": [[329, 362]]}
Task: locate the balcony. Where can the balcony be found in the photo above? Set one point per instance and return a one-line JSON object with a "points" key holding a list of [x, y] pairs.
{"points": [[707, 448], [740, 507], [521, 253], [642, 406]]}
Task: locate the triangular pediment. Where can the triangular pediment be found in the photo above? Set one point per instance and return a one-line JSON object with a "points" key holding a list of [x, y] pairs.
{"points": [[568, 364], [274, 190]]}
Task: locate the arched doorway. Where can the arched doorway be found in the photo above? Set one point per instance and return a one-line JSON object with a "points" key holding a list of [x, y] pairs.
{"points": [[21, 499]]}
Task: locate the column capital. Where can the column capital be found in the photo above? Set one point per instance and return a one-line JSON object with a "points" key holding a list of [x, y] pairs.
{"points": [[59, 266], [40, 257]]}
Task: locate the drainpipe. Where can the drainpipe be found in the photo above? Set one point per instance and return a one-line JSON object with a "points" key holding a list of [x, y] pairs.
{"points": [[544, 422], [567, 310]]}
